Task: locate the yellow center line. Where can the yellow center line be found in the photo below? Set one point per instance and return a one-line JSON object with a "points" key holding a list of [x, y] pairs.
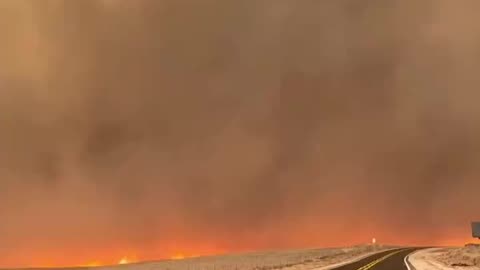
{"points": [[372, 264]]}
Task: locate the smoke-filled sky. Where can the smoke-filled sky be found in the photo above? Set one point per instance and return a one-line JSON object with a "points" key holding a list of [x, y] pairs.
{"points": [[149, 128]]}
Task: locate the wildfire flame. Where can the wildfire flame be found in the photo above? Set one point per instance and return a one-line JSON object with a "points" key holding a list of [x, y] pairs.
{"points": [[124, 260], [181, 256], [178, 256], [90, 264]]}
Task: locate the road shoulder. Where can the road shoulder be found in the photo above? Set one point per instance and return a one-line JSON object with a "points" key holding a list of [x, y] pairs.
{"points": [[427, 259]]}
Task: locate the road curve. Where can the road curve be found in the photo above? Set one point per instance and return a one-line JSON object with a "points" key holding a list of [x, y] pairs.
{"points": [[387, 260]]}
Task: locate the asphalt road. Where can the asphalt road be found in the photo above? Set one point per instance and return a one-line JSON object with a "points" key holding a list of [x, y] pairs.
{"points": [[387, 260]]}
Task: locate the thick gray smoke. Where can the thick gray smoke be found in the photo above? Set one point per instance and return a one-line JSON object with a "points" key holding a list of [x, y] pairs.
{"points": [[153, 126]]}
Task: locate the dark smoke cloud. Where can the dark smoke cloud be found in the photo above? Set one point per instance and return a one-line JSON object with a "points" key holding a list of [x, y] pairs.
{"points": [[155, 126]]}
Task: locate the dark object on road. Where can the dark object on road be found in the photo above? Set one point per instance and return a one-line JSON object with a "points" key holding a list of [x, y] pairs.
{"points": [[476, 229]]}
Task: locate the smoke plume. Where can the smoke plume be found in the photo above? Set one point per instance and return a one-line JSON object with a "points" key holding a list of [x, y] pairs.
{"points": [[149, 127]]}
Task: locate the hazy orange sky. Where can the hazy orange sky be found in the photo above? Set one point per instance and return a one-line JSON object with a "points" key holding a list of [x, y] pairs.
{"points": [[152, 128]]}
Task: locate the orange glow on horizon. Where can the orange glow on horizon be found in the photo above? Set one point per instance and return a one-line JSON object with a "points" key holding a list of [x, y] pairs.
{"points": [[178, 257], [127, 260], [91, 264], [181, 256], [121, 254], [108, 256]]}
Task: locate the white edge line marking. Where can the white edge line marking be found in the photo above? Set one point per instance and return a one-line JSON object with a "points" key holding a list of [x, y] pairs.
{"points": [[354, 260], [406, 261]]}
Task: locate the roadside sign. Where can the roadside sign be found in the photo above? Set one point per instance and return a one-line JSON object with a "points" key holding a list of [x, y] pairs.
{"points": [[476, 229]]}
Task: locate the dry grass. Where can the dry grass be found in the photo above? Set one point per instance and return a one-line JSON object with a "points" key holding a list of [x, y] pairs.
{"points": [[293, 259], [466, 256]]}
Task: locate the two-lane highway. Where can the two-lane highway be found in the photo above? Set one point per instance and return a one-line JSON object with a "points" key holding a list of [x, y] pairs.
{"points": [[387, 260]]}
